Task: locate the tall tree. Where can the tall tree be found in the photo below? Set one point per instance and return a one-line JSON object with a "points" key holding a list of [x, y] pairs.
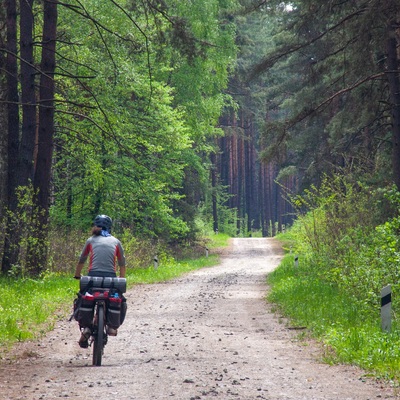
{"points": [[338, 87], [24, 170], [392, 13], [37, 255], [22, 146], [21, 151], [11, 129], [252, 187], [3, 112]]}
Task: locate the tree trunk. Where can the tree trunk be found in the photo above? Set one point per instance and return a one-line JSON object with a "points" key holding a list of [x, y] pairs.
{"points": [[10, 253], [28, 97], [214, 191], [394, 89], [3, 118], [37, 256], [23, 173], [13, 98]]}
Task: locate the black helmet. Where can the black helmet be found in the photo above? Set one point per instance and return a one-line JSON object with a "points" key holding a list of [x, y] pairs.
{"points": [[104, 222]]}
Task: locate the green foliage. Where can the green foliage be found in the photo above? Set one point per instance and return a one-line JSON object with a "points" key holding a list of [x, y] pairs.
{"points": [[319, 68], [325, 305], [227, 217], [136, 111], [24, 224], [348, 246], [351, 333]]}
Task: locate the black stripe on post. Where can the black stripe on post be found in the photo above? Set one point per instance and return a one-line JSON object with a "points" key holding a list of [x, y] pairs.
{"points": [[386, 299], [386, 308]]}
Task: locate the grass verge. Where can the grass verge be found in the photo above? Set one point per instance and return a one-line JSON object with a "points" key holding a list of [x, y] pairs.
{"points": [[350, 333]]}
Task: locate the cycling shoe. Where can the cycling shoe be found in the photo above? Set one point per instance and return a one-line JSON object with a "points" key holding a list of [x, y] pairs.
{"points": [[84, 339]]}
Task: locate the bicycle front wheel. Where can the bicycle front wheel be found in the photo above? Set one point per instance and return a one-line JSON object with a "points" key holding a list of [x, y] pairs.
{"points": [[98, 343]]}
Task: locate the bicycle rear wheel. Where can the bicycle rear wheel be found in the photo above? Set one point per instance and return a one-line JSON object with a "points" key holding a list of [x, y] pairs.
{"points": [[98, 343]]}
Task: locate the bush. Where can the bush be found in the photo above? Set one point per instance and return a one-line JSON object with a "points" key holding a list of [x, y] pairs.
{"points": [[349, 249]]}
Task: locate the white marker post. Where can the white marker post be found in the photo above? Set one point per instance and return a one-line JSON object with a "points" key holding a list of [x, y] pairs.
{"points": [[386, 308], [206, 251], [155, 262], [296, 261]]}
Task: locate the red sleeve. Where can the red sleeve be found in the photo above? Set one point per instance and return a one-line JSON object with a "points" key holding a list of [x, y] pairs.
{"points": [[85, 252]]}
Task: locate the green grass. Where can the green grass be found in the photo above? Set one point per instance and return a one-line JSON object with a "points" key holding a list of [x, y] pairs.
{"points": [[168, 270], [29, 308], [219, 240], [350, 331]]}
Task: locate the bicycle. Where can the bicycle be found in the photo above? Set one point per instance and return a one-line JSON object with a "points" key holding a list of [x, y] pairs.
{"points": [[99, 304], [99, 334]]}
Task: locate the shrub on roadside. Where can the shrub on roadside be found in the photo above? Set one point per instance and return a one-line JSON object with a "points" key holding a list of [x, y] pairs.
{"points": [[348, 250]]}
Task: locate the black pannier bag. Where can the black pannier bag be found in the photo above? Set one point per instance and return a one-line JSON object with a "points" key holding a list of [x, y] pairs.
{"points": [[114, 311], [84, 310], [124, 307]]}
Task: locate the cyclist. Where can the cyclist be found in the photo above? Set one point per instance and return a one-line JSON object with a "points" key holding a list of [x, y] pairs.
{"points": [[105, 253]]}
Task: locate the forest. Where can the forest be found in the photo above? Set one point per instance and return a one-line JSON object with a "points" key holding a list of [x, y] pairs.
{"points": [[183, 117]]}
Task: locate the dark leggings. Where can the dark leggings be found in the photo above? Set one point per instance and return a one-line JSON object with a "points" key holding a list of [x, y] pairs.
{"points": [[103, 274]]}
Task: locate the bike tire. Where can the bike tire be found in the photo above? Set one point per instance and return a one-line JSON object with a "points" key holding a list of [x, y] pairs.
{"points": [[98, 343]]}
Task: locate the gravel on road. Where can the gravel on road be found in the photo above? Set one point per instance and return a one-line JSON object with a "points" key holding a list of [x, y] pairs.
{"points": [[207, 335]]}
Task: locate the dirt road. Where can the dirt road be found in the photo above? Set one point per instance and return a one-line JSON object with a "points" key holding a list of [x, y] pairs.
{"points": [[207, 335]]}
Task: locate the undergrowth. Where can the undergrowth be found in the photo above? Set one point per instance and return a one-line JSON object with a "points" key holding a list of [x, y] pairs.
{"points": [[351, 333], [347, 252]]}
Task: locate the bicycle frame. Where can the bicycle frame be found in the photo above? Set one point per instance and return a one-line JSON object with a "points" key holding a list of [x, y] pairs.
{"points": [[99, 333]]}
